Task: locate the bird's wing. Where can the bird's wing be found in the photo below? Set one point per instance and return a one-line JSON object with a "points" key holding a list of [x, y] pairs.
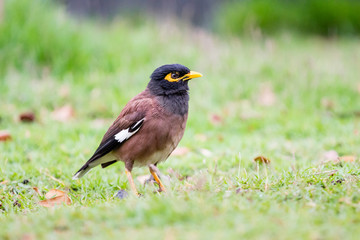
{"points": [[128, 123]]}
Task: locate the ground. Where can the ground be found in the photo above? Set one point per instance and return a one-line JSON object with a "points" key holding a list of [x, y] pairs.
{"points": [[292, 99]]}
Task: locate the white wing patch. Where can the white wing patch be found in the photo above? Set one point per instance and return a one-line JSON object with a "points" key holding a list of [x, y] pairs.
{"points": [[127, 133]]}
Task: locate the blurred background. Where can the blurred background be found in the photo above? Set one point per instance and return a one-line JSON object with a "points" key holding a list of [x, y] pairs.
{"points": [[60, 26]]}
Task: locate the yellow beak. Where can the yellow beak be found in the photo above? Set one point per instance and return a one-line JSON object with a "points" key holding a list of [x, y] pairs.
{"points": [[191, 75]]}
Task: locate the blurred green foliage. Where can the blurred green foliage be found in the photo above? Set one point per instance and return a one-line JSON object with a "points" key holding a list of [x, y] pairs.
{"points": [[39, 37], [34, 33], [323, 17]]}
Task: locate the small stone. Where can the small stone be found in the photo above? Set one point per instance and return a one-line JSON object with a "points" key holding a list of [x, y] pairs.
{"points": [[121, 194]]}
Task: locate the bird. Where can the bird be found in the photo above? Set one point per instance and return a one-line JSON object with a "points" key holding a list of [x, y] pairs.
{"points": [[149, 127]]}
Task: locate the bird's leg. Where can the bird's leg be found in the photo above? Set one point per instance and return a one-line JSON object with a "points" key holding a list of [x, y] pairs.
{"points": [[131, 181], [153, 170]]}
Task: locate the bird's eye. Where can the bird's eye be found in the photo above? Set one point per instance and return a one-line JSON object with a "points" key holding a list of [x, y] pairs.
{"points": [[175, 75]]}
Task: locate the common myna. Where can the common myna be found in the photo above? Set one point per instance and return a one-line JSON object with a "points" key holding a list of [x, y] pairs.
{"points": [[149, 127]]}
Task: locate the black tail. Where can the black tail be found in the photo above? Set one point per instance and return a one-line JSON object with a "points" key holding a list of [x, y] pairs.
{"points": [[82, 171]]}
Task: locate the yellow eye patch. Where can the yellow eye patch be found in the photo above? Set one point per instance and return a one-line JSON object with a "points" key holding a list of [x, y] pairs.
{"points": [[170, 78], [190, 75]]}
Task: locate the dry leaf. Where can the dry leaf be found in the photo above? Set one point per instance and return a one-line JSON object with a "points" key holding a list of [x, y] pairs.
{"points": [[331, 156], [205, 152], [327, 103], [55, 201], [64, 91], [180, 151], [345, 200], [266, 95], [27, 236], [200, 137], [55, 197], [348, 158], [262, 159], [270, 45], [4, 136], [54, 193], [100, 123], [4, 182], [356, 132], [216, 119], [37, 191], [251, 114], [27, 134], [27, 117], [63, 114], [311, 204]]}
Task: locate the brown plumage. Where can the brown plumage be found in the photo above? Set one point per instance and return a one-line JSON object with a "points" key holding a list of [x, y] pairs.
{"points": [[149, 127]]}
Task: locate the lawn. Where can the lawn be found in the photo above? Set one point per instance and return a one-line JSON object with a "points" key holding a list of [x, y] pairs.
{"points": [[290, 98]]}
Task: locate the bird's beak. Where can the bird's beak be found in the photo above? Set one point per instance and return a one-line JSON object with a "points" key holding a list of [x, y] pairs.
{"points": [[191, 75]]}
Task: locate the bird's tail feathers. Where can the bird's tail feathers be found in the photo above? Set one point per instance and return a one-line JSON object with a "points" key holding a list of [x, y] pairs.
{"points": [[83, 170]]}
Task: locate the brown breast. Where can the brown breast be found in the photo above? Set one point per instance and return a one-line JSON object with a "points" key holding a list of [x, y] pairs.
{"points": [[157, 138]]}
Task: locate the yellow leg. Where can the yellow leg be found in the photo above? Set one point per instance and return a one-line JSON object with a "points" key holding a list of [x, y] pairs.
{"points": [[153, 171], [131, 181]]}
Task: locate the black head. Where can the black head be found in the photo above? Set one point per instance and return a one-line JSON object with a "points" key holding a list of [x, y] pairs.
{"points": [[171, 79]]}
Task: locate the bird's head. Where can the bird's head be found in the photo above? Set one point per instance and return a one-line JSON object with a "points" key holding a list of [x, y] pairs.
{"points": [[171, 79]]}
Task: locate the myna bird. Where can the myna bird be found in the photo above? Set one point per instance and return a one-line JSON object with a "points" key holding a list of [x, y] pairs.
{"points": [[149, 127]]}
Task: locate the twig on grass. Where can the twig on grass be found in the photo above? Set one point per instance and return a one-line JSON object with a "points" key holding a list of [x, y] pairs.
{"points": [[54, 178]]}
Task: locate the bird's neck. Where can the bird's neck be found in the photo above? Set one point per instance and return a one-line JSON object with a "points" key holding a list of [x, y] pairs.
{"points": [[177, 103]]}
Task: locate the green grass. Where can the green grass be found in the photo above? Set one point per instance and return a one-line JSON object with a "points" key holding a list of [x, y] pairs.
{"points": [[315, 17], [298, 196]]}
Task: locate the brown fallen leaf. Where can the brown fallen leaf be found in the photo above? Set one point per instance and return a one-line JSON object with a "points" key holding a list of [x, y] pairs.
{"points": [[4, 136], [348, 158], [327, 103], [216, 119], [54, 193], [205, 152], [180, 151], [200, 137], [262, 159], [64, 91], [37, 191], [100, 123], [266, 95], [55, 197], [331, 156], [55, 201], [4, 182], [28, 236], [63, 114], [27, 117]]}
